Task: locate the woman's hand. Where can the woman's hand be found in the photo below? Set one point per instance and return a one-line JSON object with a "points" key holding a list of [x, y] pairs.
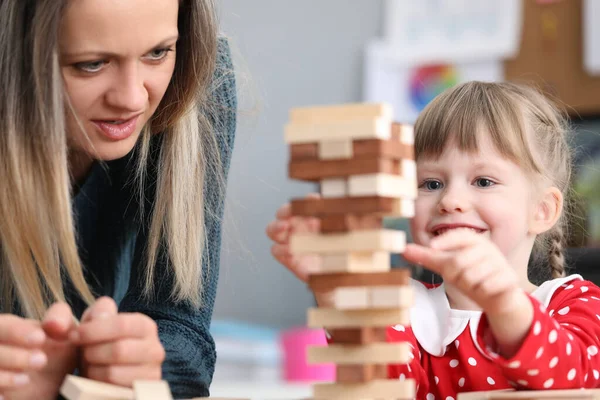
{"points": [[118, 348], [54, 356]]}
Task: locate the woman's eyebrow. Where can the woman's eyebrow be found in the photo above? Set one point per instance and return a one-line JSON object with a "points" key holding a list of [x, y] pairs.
{"points": [[108, 54]]}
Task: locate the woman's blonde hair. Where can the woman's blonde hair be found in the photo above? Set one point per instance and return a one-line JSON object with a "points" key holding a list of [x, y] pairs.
{"points": [[523, 125], [38, 246]]}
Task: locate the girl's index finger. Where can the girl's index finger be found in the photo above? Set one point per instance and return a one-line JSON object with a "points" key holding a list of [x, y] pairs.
{"points": [[433, 260], [455, 239]]}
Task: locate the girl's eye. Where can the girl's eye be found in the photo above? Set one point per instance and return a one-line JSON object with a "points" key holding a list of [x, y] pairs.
{"points": [[431, 184], [93, 66], [158, 54], [484, 182]]}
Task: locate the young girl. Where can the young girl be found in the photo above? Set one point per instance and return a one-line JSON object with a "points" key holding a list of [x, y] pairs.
{"points": [[117, 120], [493, 166]]}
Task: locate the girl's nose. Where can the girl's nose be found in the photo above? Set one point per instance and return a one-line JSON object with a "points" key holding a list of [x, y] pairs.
{"points": [[453, 201]]}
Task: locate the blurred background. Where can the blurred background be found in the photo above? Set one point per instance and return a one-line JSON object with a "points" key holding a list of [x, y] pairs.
{"points": [[313, 52]]}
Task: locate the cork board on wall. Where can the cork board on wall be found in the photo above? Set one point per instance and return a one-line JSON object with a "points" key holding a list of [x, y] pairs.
{"points": [[551, 55]]}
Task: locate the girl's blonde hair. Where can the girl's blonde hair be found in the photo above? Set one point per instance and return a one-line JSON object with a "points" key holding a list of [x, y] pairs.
{"points": [[37, 236], [524, 126]]}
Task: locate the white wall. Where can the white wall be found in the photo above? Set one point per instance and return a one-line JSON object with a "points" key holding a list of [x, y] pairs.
{"points": [[295, 53]]}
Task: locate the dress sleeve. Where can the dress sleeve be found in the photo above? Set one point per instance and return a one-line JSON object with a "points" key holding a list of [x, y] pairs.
{"points": [[560, 350], [184, 330]]}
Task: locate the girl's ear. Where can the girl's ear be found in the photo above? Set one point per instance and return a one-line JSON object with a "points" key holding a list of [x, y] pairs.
{"points": [[547, 211]]}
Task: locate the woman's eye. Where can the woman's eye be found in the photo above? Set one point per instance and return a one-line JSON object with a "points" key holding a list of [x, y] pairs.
{"points": [[484, 182], [93, 66], [158, 54], [431, 184]]}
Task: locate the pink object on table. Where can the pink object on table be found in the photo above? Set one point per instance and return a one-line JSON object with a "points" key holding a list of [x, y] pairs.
{"points": [[295, 343]]}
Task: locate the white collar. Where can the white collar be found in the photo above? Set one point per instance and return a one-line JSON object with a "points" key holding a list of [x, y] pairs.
{"points": [[435, 325]]}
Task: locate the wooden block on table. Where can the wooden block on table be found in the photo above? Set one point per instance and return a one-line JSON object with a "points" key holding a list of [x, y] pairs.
{"points": [[375, 389], [347, 354], [330, 318], [372, 205], [329, 282], [367, 128], [350, 222], [322, 169], [335, 149], [360, 298], [334, 187], [362, 335], [340, 112], [360, 373], [356, 241], [78, 388], [152, 390], [363, 148], [385, 185], [509, 394]]}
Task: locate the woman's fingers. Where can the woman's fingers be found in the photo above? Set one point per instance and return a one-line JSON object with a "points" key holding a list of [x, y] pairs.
{"points": [[21, 332], [106, 328], [123, 375], [59, 321], [19, 359], [126, 351], [102, 308]]}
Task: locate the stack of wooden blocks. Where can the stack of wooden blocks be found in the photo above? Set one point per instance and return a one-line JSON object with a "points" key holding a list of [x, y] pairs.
{"points": [[365, 166]]}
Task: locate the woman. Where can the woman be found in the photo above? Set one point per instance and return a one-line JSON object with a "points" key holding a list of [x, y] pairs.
{"points": [[117, 120]]}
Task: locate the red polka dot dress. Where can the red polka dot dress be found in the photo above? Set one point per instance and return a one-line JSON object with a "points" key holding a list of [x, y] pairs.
{"points": [[453, 350]]}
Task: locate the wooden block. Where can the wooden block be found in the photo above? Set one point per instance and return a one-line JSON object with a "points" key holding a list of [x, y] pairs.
{"points": [[364, 148], [330, 318], [510, 394], [391, 297], [334, 187], [329, 282], [304, 151], [350, 222], [152, 390], [384, 185], [373, 205], [360, 373], [375, 389], [403, 133], [363, 335], [356, 241], [78, 388], [393, 149], [347, 354], [368, 128], [351, 298], [341, 112], [335, 149], [361, 298], [322, 169], [378, 261]]}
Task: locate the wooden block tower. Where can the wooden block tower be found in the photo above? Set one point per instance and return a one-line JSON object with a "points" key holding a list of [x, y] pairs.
{"points": [[365, 166]]}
